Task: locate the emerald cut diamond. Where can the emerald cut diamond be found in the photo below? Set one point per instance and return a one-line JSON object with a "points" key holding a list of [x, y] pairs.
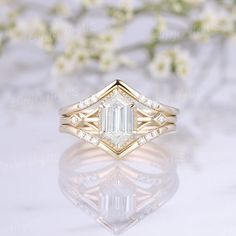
{"points": [[117, 202], [117, 116]]}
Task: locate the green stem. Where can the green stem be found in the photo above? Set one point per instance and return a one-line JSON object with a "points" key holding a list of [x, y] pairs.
{"points": [[150, 46], [80, 14], [3, 44]]}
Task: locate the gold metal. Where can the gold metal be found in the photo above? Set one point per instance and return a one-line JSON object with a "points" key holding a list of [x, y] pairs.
{"points": [[152, 119]]}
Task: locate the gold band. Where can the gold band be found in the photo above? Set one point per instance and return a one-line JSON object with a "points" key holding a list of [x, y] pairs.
{"points": [[117, 111]]}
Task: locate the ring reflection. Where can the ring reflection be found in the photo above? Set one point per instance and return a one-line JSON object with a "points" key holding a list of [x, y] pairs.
{"points": [[117, 193]]}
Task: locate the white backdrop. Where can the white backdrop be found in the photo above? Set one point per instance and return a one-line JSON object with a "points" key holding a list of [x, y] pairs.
{"points": [[204, 146]]}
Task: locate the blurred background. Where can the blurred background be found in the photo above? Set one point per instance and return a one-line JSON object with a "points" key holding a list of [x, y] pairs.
{"points": [[179, 52]]}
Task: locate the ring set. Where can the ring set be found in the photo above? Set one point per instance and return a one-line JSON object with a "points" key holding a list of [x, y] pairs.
{"points": [[118, 119]]}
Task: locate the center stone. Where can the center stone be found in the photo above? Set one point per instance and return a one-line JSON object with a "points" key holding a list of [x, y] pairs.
{"points": [[117, 203], [117, 119]]}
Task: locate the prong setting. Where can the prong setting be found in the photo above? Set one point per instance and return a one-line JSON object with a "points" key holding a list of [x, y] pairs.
{"points": [[118, 119]]}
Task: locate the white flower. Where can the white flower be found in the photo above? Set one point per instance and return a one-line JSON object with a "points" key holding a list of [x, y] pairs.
{"points": [[38, 31], [123, 60], [46, 42], [81, 57], [63, 65], [225, 22], [108, 62], [160, 66], [161, 24], [108, 39], [37, 27], [127, 4], [62, 9], [159, 27], [73, 44], [19, 30], [91, 3], [62, 30], [194, 2], [181, 61], [209, 20], [68, 63], [28, 29], [182, 67], [124, 12], [170, 61], [212, 21], [177, 6]]}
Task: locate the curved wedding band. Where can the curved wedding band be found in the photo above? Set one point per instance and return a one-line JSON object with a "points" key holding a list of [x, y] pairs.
{"points": [[118, 119]]}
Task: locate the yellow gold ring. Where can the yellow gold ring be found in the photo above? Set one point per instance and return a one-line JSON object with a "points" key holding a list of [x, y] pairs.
{"points": [[118, 119]]}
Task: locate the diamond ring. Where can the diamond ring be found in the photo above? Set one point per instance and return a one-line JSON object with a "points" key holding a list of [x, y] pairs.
{"points": [[118, 119]]}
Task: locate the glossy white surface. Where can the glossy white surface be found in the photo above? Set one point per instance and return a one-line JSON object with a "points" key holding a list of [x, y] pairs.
{"points": [[31, 202]]}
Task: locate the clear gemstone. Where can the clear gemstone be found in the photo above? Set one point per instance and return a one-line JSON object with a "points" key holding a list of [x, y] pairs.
{"points": [[94, 98], [149, 103], [155, 105], [142, 141], [117, 203], [161, 119], [94, 141], [117, 119], [142, 98], [148, 136], [87, 102], [82, 105], [87, 137], [81, 134], [91, 178], [75, 120], [154, 133]]}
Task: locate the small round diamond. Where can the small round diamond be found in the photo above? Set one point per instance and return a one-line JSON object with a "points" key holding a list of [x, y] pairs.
{"points": [[94, 99], [142, 99], [161, 119], [92, 178], [87, 137], [148, 136], [155, 133], [141, 141], [94, 141], [75, 120], [155, 105], [82, 105], [87, 102], [81, 134], [149, 103]]}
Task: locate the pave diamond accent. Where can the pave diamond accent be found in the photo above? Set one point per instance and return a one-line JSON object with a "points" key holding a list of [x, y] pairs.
{"points": [[148, 102], [88, 102], [117, 119], [148, 136], [142, 141], [75, 120], [161, 119], [87, 137]]}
